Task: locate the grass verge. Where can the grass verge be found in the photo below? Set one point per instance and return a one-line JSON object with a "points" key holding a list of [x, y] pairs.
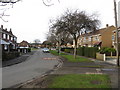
{"points": [[80, 81], [71, 58]]}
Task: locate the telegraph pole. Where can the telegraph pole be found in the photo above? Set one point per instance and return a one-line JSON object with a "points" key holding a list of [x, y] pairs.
{"points": [[117, 41]]}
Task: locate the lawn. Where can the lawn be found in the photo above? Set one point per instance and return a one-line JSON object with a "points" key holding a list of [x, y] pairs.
{"points": [[71, 57], [80, 81]]}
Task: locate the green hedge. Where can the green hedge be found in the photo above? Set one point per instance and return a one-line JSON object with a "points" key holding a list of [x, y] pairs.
{"points": [[84, 51], [87, 51], [9, 55], [80, 51]]}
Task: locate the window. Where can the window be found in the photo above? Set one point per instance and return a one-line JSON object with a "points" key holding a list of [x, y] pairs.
{"points": [[4, 36], [113, 37], [95, 38], [15, 39], [8, 37]]}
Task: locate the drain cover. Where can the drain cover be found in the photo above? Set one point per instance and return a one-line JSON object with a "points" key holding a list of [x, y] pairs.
{"points": [[109, 69]]}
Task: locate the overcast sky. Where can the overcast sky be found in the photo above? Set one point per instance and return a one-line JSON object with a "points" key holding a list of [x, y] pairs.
{"points": [[29, 19]]}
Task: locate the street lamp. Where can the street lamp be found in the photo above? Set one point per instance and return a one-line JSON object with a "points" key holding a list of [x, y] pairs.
{"points": [[117, 40]]}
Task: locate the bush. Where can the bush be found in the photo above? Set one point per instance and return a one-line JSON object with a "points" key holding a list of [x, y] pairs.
{"points": [[107, 50]]}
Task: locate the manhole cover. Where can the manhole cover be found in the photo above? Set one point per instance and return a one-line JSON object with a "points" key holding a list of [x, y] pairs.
{"points": [[109, 69], [49, 58]]}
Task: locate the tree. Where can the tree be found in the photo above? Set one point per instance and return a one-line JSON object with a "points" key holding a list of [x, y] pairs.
{"points": [[75, 23], [4, 6], [49, 2], [7, 4], [37, 41]]}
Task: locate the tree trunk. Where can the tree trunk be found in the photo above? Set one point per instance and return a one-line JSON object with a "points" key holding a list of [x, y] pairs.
{"points": [[75, 49]]}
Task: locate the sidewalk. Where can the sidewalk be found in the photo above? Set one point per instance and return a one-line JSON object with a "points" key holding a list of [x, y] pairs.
{"points": [[17, 60], [96, 67]]}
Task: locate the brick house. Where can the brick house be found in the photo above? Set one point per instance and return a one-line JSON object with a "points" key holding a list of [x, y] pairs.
{"points": [[8, 40], [99, 38], [23, 46]]}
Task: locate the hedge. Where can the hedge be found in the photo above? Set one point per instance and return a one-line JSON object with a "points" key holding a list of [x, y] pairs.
{"points": [[87, 51], [84, 51], [9, 55]]}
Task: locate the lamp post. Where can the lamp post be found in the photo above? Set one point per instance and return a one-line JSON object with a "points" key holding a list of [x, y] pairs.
{"points": [[117, 41]]}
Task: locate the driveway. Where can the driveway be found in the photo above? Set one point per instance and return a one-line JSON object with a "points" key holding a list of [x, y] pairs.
{"points": [[34, 66]]}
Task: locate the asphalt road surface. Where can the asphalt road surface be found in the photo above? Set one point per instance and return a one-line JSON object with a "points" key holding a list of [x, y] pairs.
{"points": [[34, 66]]}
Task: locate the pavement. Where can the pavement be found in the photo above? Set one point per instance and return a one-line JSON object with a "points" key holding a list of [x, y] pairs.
{"points": [[95, 67], [112, 61]]}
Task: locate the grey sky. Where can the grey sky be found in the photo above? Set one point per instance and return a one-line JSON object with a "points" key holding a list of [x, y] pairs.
{"points": [[29, 19]]}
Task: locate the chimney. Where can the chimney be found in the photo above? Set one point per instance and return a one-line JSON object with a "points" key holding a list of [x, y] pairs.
{"points": [[1, 26], [5, 29], [107, 25]]}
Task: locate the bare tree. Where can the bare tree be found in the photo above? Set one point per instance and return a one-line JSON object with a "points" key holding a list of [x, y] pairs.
{"points": [[59, 37], [49, 2], [75, 22], [37, 41], [4, 6]]}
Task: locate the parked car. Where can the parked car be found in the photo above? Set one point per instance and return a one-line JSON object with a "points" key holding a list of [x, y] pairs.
{"points": [[45, 50]]}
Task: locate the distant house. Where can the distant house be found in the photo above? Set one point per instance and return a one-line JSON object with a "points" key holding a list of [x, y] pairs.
{"points": [[35, 45], [8, 40], [99, 38], [23, 47]]}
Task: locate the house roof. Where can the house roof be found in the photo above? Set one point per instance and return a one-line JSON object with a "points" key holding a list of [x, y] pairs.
{"points": [[100, 31], [8, 32], [23, 44]]}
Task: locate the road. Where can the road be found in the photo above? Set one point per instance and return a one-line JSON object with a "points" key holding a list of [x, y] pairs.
{"points": [[34, 66]]}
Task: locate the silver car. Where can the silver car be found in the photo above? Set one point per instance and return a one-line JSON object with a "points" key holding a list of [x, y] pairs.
{"points": [[45, 50]]}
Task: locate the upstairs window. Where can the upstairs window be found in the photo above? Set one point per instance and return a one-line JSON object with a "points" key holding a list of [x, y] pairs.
{"points": [[4, 36], [113, 37], [8, 37]]}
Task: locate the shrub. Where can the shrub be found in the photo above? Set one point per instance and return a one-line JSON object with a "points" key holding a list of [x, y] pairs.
{"points": [[107, 50]]}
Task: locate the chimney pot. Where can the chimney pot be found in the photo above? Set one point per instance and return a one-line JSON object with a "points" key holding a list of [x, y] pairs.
{"points": [[1, 26], [107, 25], [6, 29]]}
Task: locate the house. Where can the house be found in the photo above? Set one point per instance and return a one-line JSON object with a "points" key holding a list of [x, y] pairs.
{"points": [[35, 45], [23, 47], [99, 38], [8, 40]]}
